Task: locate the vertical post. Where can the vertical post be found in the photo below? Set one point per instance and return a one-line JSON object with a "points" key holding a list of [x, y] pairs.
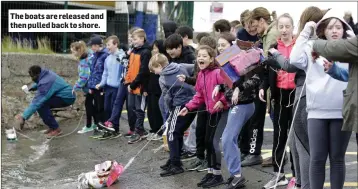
{"points": [[64, 41]]}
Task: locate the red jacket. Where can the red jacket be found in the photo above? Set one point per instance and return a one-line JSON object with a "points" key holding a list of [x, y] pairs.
{"points": [[205, 84]]}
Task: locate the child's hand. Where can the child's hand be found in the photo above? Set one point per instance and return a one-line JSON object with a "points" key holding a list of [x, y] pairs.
{"points": [[129, 89], [315, 55], [73, 92], [262, 95], [19, 122], [215, 92], [145, 93], [327, 65], [183, 112], [181, 77], [90, 91], [219, 105], [235, 96], [98, 86]]}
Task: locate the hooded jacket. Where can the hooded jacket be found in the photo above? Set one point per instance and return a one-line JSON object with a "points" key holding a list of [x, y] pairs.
{"points": [[97, 68], [175, 93], [113, 69], [187, 56], [84, 72], [345, 50], [138, 70], [324, 93], [205, 84], [286, 97], [49, 84]]}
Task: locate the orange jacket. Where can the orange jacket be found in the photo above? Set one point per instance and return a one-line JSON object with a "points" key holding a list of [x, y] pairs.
{"points": [[138, 72]]}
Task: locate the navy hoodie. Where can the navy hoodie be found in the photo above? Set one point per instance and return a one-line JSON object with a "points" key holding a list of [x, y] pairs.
{"points": [[175, 93], [97, 68], [243, 35]]}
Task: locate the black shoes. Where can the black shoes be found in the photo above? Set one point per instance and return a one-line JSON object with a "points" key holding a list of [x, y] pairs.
{"points": [[172, 170], [251, 160], [206, 178], [215, 180], [237, 182]]}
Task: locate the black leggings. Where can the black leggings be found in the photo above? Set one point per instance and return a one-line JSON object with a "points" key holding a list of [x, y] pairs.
{"points": [[215, 121], [327, 139], [89, 106], [98, 97]]}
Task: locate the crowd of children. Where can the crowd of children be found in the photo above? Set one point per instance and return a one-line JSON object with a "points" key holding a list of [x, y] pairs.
{"points": [[181, 84]]}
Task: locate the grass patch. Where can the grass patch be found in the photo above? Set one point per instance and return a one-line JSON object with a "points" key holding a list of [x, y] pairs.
{"points": [[25, 46]]}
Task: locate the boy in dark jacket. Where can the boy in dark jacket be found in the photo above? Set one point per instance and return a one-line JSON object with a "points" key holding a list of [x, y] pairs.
{"points": [[137, 82], [177, 52], [176, 95], [100, 54]]}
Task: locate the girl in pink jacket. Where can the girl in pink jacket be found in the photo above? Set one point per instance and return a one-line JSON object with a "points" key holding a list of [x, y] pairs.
{"points": [[217, 108]]}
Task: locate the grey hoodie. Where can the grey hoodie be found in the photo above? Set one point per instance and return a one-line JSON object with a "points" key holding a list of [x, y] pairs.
{"points": [[175, 92], [324, 94]]}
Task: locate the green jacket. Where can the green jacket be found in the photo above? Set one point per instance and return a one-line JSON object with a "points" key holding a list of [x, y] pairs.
{"points": [[344, 50], [269, 37]]}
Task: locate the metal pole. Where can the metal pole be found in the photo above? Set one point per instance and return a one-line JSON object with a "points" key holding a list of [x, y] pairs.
{"points": [[64, 41]]}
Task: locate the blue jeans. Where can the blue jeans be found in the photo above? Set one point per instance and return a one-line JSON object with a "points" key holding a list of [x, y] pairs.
{"points": [[118, 106], [45, 111], [237, 118]]}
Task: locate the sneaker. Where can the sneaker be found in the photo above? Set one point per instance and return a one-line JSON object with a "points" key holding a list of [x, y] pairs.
{"points": [[166, 165], [150, 136], [193, 166], [86, 129], [216, 180], [97, 133], [110, 135], [173, 170], [137, 137], [237, 182], [129, 134], [187, 156], [54, 133], [243, 156], [292, 184], [282, 181], [251, 160], [229, 179], [206, 178], [157, 137], [203, 166], [49, 130], [267, 162]]}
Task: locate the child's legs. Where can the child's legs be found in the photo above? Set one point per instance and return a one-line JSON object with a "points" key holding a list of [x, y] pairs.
{"points": [[200, 132], [209, 133], [90, 111], [216, 140], [118, 106], [318, 135], [139, 110], [99, 105], [132, 118], [237, 117], [163, 111], [177, 125], [108, 103], [338, 143], [155, 119]]}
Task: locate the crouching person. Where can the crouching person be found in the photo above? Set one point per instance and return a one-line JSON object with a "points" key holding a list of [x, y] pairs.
{"points": [[176, 94], [52, 92]]}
